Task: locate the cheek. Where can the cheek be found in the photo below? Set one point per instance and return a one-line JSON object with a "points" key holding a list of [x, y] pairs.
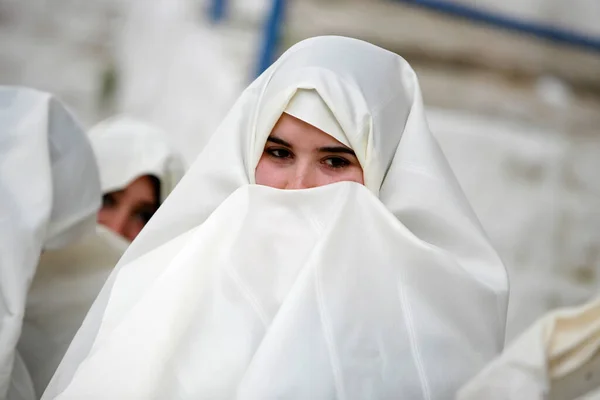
{"points": [[353, 174], [357, 175], [268, 173], [134, 227], [104, 215]]}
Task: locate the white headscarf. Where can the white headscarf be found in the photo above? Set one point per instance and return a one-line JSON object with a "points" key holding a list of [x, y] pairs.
{"points": [[50, 193], [127, 149], [344, 291]]}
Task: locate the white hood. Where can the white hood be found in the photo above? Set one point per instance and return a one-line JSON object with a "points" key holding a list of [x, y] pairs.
{"points": [[127, 149], [235, 290], [50, 194]]}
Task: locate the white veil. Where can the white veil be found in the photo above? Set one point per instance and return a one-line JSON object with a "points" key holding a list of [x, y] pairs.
{"points": [[50, 193], [127, 148], [233, 289]]}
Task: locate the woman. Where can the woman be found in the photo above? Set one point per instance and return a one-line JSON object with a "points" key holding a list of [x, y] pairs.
{"points": [[50, 194], [138, 170], [377, 282]]}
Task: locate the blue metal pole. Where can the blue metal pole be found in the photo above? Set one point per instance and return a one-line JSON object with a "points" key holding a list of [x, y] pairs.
{"points": [[271, 34], [543, 31], [218, 10]]}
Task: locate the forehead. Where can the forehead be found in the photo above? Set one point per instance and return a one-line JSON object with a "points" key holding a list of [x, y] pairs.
{"points": [[141, 189]]}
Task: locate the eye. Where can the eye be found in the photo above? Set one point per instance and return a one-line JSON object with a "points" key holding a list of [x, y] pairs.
{"points": [[144, 216], [108, 200], [279, 153], [336, 162]]}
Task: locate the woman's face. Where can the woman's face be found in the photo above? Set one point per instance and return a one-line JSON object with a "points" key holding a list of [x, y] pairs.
{"points": [[299, 156], [126, 211]]}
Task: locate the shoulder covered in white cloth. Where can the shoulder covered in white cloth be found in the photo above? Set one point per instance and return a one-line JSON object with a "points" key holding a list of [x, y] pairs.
{"points": [[65, 285], [343, 291], [557, 358]]}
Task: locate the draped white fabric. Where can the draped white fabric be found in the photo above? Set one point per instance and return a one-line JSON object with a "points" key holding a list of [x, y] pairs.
{"points": [[50, 192], [557, 358], [346, 291], [127, 148], [64, 287]]}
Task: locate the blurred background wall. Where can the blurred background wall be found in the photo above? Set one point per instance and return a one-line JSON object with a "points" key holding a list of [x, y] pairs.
{"points": [[512, 90]]}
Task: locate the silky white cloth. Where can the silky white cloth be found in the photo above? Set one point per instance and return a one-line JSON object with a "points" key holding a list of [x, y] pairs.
{"points": [[309, 107], [346, 291], [557, 358], [50, 193], [64, 287], [127, 148]]}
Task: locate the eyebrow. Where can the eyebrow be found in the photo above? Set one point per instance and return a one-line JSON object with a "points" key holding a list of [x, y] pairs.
{"points": [[147, 206], [326, 149], [336, 149], [279, 141]]}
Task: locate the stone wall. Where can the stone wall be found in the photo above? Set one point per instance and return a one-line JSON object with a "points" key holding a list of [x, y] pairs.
{"points": [[61, 46], [534, 192]]}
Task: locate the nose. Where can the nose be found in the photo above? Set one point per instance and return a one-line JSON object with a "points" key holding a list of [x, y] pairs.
{"points": [[304, 177]]}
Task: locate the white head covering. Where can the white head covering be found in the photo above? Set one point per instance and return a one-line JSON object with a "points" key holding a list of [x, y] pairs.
{"points": [[50, 194], [344, 291], [127, 149], [309, 107]]}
